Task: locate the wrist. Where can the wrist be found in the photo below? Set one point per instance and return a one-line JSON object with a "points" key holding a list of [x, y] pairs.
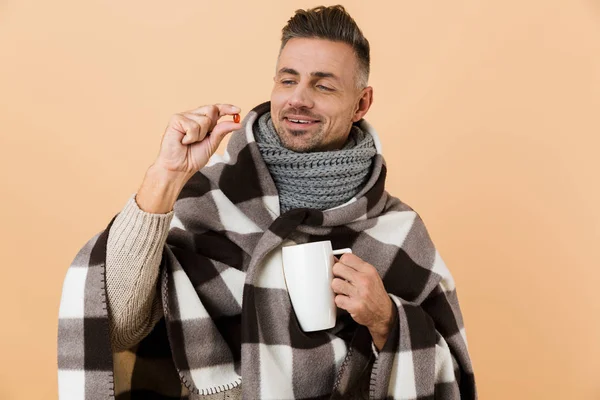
{"points": [[380, 332], [159, 172], [379, 339], [160, 189]]}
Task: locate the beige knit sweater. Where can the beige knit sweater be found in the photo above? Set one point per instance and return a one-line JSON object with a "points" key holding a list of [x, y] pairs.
{"points": [[133, 254]]}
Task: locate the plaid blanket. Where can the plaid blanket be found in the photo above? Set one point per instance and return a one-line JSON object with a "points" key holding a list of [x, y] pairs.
{"points": [[227, 315]]}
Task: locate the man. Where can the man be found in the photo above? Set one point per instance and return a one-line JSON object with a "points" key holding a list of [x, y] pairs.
{"points": [[195, 305]]}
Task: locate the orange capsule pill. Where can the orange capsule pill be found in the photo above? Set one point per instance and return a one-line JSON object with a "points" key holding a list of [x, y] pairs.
{"points": [[236, 118]]}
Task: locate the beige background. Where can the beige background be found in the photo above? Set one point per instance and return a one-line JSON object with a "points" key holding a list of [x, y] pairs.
{"points": [[488, 113]]}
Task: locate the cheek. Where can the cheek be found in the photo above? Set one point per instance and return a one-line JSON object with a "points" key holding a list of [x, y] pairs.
{"points": [[278, 99]]}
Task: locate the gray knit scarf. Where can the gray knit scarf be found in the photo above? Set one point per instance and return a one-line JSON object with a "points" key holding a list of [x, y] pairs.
{"points": [[318, 180]]}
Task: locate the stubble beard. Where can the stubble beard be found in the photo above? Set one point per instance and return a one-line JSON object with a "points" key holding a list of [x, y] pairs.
{"points": [[306, 145]]}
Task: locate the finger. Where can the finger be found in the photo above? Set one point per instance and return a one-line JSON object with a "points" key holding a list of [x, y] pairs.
{"points": [[220, 109], [343, 302], [203, 120], [221, 130], [341, 286], [190, 129], [353, 261], [227, 109], [216, 111], [343, 271]]}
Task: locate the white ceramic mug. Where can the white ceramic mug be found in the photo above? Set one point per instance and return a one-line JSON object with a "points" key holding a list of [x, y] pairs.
{"points": [[307, 269]]}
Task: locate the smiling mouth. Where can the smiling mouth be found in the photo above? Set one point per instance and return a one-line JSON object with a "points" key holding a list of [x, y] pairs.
{"points": [[300, 123]]}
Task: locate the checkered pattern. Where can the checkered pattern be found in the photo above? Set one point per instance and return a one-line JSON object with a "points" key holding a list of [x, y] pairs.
{"points": [[227, 313]]}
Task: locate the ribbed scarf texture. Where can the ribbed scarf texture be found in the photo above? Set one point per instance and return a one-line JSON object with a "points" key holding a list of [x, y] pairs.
{"points": [[317, 180]]}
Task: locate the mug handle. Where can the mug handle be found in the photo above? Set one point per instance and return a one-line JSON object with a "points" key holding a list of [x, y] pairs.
{"points": [[341, 251]]}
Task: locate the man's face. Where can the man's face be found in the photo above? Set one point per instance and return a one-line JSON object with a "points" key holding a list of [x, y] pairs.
{"points": [[315, 99]]}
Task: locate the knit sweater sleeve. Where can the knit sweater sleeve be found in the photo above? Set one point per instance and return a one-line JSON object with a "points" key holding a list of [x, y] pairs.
{"points": [[133, 254]]}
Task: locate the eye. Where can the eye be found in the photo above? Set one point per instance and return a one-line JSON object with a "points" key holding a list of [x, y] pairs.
{"points": [[287, 82], [324, 88]]}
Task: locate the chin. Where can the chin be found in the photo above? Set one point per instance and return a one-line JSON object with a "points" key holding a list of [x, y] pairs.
{"points": [[297, 141], [297, 147], [298, 144]]}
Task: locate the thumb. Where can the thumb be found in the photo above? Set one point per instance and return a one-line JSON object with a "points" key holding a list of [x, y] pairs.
{"points": [[222, 129]]}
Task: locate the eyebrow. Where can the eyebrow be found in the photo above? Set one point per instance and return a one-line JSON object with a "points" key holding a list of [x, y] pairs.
{"points": [[318, 74]]}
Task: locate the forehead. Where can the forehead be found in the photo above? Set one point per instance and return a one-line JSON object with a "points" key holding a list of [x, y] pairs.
{"points": [[311, 55]]}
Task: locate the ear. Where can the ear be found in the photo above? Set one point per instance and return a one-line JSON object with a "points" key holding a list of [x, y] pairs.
{"points": [[364, 103]]}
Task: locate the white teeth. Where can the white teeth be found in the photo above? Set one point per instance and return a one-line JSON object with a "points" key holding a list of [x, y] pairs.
{"points": [[300, 121]]}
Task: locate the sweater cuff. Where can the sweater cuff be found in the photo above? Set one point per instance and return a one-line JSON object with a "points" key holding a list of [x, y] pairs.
{"points": [[133, 205], [141, 233]]}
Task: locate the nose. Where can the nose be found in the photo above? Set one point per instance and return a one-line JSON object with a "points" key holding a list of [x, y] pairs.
{"points": [[300, 98]]}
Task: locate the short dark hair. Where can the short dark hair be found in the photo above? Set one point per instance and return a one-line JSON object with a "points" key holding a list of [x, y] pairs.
{"points": [[335, 24]]}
